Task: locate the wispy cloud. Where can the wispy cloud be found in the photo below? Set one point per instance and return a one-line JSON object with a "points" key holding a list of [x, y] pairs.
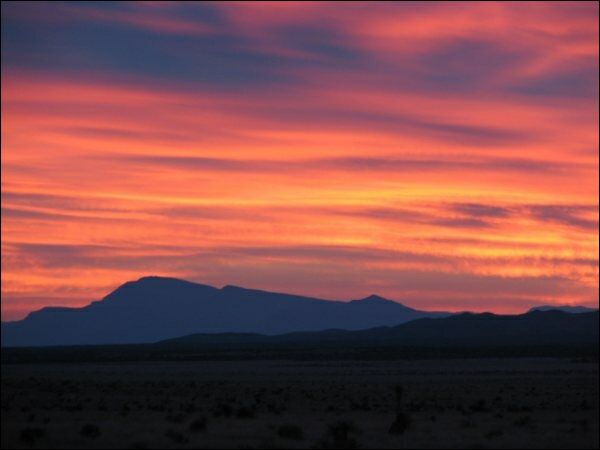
{"points": [[444, 153]]}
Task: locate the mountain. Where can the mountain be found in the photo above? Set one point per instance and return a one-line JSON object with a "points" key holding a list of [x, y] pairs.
{"points": [[156, 308], [536, 328], [573, 309]]}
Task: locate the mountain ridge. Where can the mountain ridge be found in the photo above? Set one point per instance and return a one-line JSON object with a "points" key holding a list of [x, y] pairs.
{"points": [[574, 309], [541, 328], [153, 308]]}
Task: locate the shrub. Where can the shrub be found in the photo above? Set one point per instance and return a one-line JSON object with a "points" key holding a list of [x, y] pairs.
{"points": [[30, 435], [198, 424], [400, 424], [522, 421], [402, 420], [89, 430], [494, 433], [222, 410], [340, 435], [176, 436], [479, 406], [290, 432], [244, 413]]}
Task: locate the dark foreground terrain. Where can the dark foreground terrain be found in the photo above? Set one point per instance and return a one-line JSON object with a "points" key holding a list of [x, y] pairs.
{"points": [[450, 403]]}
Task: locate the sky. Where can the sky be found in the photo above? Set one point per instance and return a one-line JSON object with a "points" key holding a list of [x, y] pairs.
{"points": [[444, 155]]}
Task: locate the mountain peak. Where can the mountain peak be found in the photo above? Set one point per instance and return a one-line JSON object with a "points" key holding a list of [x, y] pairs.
{"points": [[151, 286], [374, 299], [161, 281], [233, 287], [157, 279]]}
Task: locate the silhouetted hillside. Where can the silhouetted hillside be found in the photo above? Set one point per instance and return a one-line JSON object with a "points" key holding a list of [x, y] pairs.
{"points": [[574, 309], [536, 334], [537, 328], [155, 308]]}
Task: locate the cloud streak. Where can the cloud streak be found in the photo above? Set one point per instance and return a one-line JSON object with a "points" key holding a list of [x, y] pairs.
{"points": [[444, 154]]}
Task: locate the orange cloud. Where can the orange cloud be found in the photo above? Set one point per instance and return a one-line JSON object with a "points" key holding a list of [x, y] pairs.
{"points": [[441, 154]]}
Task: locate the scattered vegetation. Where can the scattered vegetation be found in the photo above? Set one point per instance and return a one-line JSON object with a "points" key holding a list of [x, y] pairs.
{"points": [[509, 408], [30, 435]]}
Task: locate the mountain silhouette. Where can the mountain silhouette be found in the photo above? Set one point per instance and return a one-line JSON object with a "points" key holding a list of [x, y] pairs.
{"points": [[536, 328], [574, 309], [156, 308]]}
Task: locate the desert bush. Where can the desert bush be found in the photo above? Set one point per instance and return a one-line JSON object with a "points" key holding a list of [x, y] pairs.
{"points": [[102, 406], [222, 410], [90, 430], [402, 420], [584, 405], [479, 406], [30, 435], [245, 413], [198, 424], [188, 407], [494, 433], [175, 418], [522, 421], [176, 436], [293, 432], [465, 423], [400, 423], [340, 435]]}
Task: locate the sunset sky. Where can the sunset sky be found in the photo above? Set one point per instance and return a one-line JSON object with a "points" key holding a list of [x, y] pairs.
{"points": [[444, 155]]}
